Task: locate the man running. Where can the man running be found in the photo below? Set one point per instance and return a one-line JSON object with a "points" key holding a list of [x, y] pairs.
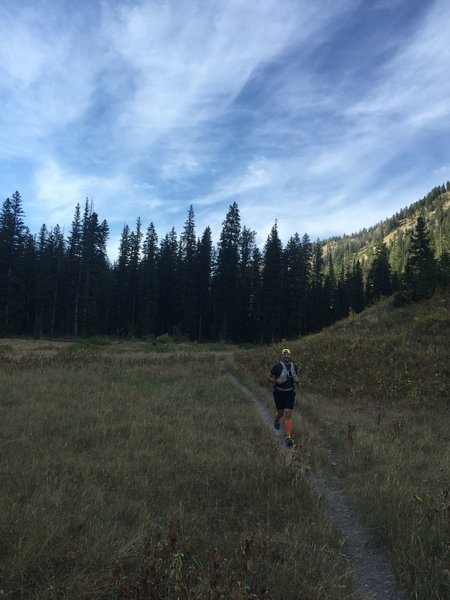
{"points": [[284, 377]]}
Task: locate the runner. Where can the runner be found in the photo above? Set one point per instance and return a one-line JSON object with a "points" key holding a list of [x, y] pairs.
{"points": [[284, 377]]}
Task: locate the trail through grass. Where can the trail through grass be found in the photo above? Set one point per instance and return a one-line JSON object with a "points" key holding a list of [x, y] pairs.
{"points": [[107, 460], [373, 415]]}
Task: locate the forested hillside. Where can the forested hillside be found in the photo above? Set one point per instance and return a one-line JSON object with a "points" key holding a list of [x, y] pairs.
{"points": [[396, 231], [182, 285]]}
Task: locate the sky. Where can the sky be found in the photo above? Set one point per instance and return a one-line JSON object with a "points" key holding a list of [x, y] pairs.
{"points": [[327, 116]]}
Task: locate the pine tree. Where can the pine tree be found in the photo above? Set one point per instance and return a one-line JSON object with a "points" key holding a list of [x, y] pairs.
{"points": [[149, 280], [188, 278], [357, 300], [247, 320], [295, 287], [167, 277], [121, 315], [203, 279], [421, 268], [379, 278], [91, 317], [272, 287], [226, 286], [58, 250], [134, 325], [316, 300], [343, 294], [74, 266], [13, 235], [307, 251], [330, 304], [444, 269], [29, 270]]}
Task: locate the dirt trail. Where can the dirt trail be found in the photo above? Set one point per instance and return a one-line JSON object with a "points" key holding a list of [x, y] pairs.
{"points": [[372, 568]]}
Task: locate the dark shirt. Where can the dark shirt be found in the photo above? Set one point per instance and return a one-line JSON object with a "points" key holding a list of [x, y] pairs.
{"points": [[277, 370]]}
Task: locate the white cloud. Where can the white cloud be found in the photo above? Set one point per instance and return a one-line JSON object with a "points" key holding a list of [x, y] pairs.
{"points": [[148, 107], [58, 191]]}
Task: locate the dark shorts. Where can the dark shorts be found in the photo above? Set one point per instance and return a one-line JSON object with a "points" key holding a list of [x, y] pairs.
{"points": [[284, 399]]}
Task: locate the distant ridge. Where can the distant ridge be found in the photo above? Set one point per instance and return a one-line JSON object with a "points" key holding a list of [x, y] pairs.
{"points": [[395, 233]]}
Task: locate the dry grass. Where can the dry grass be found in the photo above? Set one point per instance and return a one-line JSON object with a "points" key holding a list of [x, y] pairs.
{"points": [[375, 408], [120, 469]]}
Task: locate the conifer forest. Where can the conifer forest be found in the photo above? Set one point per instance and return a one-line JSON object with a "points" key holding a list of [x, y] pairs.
{"points": [[182, 285]]}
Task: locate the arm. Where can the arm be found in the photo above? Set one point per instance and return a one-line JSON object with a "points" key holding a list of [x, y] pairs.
{"points": [[271, 378]]}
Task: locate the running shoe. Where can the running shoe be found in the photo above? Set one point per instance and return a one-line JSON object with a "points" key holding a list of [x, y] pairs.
{"points": [[289, 441]]}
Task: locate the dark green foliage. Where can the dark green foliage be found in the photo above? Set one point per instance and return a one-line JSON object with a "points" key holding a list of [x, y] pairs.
{"points": [[184, 287], [187, 280], [272, 288], [296, 281], [225, 283], [149, 281], [203, 283], [168, 282], [421, 268], [13, 235], [379, 278]]}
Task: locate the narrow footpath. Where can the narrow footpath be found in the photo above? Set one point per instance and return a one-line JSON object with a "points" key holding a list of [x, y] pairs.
{"points": [[372, 569]]}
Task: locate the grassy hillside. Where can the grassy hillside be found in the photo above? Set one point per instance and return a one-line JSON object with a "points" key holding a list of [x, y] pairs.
{"points": [[373, 413]]}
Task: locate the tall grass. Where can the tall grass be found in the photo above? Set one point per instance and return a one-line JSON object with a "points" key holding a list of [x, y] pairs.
{"points": [[120, 470], [373, 413]]}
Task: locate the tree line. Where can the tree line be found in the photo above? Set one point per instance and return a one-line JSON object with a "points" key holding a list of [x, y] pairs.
{"points": [[183, 285]]}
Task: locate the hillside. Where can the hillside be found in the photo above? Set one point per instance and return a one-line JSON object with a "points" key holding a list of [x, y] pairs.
{"points": [[372, 415], [395, 233]]}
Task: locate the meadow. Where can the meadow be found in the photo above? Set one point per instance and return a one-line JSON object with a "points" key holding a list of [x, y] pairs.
{"points": [[129, 471], [141, 470]]}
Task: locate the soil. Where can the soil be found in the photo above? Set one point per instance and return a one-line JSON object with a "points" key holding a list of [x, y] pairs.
{"points": [[365, 555]]}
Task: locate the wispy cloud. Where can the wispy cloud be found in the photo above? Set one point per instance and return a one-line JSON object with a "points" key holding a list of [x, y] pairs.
{"points": [[322, 110]]}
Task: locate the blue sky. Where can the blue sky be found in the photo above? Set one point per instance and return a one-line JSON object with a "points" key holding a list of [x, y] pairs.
{"points": [[328, 116]]}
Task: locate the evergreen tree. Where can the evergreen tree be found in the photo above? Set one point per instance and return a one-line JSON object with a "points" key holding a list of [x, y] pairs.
{"points": [[203, 279], [316, 300], [226, 280], [91, 318], [121, 315], [167, 277], [149, 280], [421, 268], [188, 278], [29, 270], [13, 234], [343, 294], [357, 301], [379, 278], [307, 251], [295, 287], [247, 321], [329, 293], [272, 288], [50, 255], [58, 251], [134, 325], [444, 269], [74, 263]]}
